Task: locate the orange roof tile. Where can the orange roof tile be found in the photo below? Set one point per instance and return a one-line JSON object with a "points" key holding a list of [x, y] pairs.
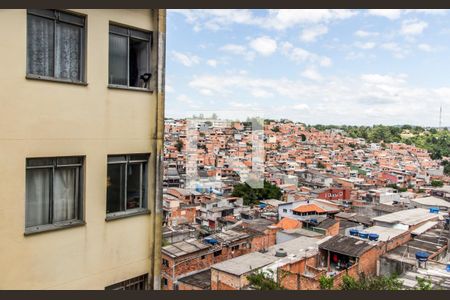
{"points": [[288, 223], [309, 208]]}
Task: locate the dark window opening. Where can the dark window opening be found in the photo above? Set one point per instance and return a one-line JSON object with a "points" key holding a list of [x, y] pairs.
{"points": [[126, 183], [129, 57]]}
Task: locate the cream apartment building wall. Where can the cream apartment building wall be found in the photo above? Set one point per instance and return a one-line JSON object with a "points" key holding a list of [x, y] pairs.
{"points": [[45, 119]]}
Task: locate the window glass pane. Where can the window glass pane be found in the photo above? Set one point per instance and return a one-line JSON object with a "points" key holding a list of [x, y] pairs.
{"points": [[118, 29], [138, 62], [49, 13], [118, 49], [133, 186], [37, 197], [65, 194], [68, 52], [139, 157], [36, 162], [69, 161], [40, 46], [117, 158], [71, 18], [115, 188], [140, 34]]}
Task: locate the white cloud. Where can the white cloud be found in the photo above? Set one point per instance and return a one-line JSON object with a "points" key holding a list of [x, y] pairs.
{"points": [[276, 19], [312, 33], [301, 55], [391, 14], [264, 45], [187, 60], [365, 46], [365, 99], [286, 18], [413, 27], [364, 34], [238, 50], [311, 73], [212, 63], [395, 49], [301, 106], [425, 47]]}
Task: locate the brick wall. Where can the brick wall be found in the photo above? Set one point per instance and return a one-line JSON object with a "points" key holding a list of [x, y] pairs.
{"points": [[224, 281], [333, 230]]}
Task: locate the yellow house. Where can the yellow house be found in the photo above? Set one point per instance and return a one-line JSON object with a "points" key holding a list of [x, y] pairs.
{"points": [[81, 123]]}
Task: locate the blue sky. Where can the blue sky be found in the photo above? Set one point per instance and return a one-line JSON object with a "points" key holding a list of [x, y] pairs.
{"points": [[358, 67]]}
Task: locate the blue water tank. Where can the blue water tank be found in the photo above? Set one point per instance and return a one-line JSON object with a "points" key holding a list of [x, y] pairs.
{"points": [[262, 205], [422, 256], [314, 221], [354, 232], [211, 241], [363, 235], [448, 267], [434, 210], [373, 236]]}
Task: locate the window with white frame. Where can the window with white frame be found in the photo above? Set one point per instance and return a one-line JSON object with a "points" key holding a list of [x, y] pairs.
{"points": [[126, 184], [55, 45], [53, 191], [129, 57]]}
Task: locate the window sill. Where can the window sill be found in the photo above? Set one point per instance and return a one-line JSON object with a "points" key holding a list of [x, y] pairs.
{"points": [[126, 214], [45, 78], [53, 227], [129, 88]]}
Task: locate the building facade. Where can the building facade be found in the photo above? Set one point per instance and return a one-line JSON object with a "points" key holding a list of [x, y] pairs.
{"points": [[81, 130]]}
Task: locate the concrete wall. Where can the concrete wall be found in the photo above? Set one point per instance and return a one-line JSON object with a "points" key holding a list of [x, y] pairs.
{"points": [[43, 119]]}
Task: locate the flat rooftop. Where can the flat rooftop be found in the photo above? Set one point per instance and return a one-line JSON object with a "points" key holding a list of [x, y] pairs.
{"points": [[201, 280], [184, 248], [296, 249], [346, 245], [385, 233], [407, 217]]}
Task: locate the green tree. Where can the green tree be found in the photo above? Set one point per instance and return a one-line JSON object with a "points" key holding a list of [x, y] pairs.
{"points": [[371, 283], [437, 183], [179, 145], [252, 196], [424, 284], [326, 282], [263, 281]]}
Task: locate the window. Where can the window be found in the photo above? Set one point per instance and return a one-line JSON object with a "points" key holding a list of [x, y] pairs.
{"points": [[218, 252], [136, 283], [165, 262], [53, 192], [235, 248], [129, 57], [55, 45], [203, 257], [164, 281], [126, 184], [284, 210]]}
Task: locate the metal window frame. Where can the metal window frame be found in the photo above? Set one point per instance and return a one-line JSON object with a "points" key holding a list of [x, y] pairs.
{"points": [[132, 282], [129, 35], [56, 20], [143, 185], [79, 195]]}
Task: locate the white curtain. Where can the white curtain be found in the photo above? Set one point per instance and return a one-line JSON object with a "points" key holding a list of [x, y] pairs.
{"points": [[118, 49], [40, 46], [64, 194], [38, 197], [67, 64]]}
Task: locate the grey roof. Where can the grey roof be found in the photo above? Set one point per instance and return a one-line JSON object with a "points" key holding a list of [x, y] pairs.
{"points": [[201, 279], [432, 201], [346, 245], [327, 223], [184, 248], [229, 236], [385, 233], [407, 217], [296, 249], [245, 263]]}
